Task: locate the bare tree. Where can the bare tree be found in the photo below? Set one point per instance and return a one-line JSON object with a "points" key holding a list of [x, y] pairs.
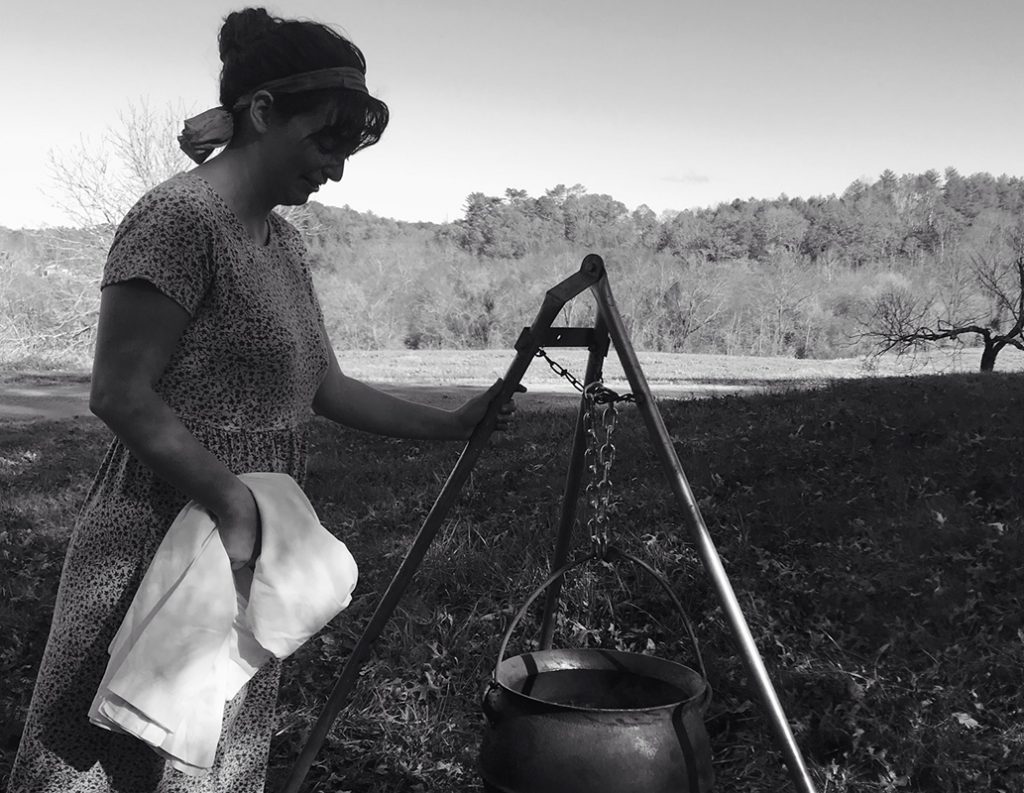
{"points": [[785, 290], [903, 320], [95, 184]]}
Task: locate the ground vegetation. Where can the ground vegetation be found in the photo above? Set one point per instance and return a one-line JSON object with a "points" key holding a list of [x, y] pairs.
{"points": [[871, 528]]}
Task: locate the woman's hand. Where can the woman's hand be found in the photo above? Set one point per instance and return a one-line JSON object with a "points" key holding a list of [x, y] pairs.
{"points": [[355, 404], [239, 530], [472, 413]]}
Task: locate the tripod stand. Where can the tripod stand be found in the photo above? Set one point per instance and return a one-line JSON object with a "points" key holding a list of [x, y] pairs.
{"points": [[608, 329]]}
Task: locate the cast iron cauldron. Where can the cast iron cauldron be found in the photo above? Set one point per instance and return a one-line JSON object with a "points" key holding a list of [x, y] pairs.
{"points": [[595, 721]]}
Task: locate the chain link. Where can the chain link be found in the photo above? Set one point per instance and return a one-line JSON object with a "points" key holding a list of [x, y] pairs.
{"points": [[560, 370], [601, 451], [603, 395], [599, 455]]}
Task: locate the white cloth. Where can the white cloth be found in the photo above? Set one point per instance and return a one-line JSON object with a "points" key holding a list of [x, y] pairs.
{"points": [[191, 639]]}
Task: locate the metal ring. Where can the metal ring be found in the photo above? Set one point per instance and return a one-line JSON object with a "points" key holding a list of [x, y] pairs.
{"points": [[611, 550]]}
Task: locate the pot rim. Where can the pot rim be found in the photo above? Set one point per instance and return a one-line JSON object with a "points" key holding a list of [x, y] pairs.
{"points": [[520, 667]]}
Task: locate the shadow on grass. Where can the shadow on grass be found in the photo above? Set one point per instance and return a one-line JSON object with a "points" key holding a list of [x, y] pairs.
{"points": [[872, 530]]}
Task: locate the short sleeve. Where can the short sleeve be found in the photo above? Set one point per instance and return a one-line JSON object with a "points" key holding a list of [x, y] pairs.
{"points": [[166, 239]]}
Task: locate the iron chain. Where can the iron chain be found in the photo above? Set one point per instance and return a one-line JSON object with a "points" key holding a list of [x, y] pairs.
{"points": [[602, 396], [560, 370], [599, 455]]}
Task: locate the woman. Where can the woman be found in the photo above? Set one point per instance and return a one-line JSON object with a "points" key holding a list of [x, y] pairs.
{"points": [[210, 353]]}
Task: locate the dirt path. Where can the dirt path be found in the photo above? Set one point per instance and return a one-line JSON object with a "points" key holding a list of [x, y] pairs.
{"points": [[448, 377], [47, 397], [34, 397]]}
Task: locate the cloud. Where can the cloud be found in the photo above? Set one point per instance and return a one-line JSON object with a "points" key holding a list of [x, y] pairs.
{"points": [[690, 177]]}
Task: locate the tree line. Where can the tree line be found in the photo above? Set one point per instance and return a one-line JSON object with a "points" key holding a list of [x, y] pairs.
{"points": [[804, 277], [896, 219]]}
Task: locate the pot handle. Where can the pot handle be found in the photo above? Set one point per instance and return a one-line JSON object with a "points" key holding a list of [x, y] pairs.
{"points": [[491, 713], [609, 551]]}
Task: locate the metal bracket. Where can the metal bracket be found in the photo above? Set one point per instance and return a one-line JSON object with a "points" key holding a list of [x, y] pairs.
{"points": [[558, 337]]}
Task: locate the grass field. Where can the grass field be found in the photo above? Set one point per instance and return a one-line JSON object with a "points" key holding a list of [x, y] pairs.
{"points": [[475, 367], [482, 366], [872, 528]]}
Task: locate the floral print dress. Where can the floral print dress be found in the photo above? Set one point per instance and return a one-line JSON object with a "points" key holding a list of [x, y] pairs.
{"points": [[242, 380]]}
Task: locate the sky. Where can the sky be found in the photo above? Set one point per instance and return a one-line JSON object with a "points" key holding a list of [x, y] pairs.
{"points": [[670, 103]]}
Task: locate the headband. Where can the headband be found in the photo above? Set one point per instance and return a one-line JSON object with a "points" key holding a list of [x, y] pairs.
{"points": [[214, 128]]}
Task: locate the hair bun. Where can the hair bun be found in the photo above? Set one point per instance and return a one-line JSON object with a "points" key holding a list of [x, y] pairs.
{"points": [[242, 29]]}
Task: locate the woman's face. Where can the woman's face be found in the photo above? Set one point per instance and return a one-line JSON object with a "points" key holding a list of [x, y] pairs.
{"points": [[303, 152]]}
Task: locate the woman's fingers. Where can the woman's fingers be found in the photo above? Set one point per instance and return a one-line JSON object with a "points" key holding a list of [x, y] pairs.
{"points": [[507, 412]]}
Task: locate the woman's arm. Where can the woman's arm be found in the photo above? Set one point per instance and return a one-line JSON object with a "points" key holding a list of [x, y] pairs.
{"points": [[348, 401], [139, 328]]}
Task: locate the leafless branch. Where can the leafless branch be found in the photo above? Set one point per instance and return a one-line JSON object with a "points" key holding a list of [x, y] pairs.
{"points": [[902, 320]]}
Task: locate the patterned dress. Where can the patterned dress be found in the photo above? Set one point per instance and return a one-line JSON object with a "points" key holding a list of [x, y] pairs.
{"points": [[242, 380]]}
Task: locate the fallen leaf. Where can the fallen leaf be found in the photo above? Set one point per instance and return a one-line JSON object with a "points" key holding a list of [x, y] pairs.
{"points": [[967, 720]]}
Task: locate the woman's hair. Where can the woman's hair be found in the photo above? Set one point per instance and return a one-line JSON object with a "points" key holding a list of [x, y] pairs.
{"points": [[256, 48]]}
